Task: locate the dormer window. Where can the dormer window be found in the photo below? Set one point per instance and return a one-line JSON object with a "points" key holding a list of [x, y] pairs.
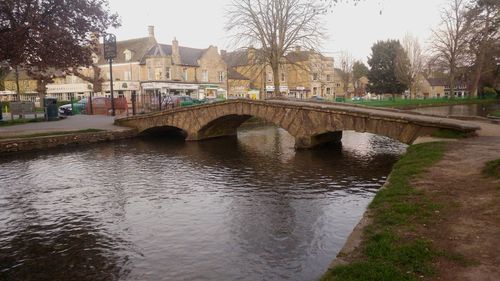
{"points": [[128, 55]]}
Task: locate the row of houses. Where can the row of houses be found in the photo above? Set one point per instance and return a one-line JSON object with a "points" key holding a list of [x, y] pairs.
{"points": [[145, 66]]}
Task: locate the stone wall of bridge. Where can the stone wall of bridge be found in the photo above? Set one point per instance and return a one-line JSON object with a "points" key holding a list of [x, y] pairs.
{"points": [[310, 124]]}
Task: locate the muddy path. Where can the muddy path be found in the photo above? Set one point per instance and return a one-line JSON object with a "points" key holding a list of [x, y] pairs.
{"points": [[467, 226]]}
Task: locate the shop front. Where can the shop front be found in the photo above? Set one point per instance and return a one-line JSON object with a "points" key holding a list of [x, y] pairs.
{"points": [[270, 91], [66, 92], [299, 93]]}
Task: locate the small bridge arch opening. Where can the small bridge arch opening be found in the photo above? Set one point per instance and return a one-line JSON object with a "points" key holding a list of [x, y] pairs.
{"points": [[165, 131]]}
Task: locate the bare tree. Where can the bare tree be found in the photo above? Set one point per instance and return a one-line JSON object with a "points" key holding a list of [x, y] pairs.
{"points": [[346, 63], [410, 64], [276, 27], [449, 41], [484, 19]]}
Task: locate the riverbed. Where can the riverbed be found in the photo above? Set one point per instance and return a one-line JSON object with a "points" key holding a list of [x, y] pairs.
{"points": [[242, 208]]}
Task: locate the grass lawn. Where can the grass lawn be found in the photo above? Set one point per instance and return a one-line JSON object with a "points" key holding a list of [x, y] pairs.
{"points": [[389, 251], [448, 134], [495, 113], [492, 169], [59, 133], [406, 103], [20, 121]]}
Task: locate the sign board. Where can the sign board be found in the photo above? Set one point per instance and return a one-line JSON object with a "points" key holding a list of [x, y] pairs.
{"points": [[173, 86], [271, 88], [68, 88], [122, 86], [109, 46], [22, 107]]}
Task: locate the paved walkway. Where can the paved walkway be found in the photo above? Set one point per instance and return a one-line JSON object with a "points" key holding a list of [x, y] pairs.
{"points": [[72, 123]]}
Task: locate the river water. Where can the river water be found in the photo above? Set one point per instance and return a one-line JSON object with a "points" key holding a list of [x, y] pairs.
{"points": [[461, 110], [245, 208]]}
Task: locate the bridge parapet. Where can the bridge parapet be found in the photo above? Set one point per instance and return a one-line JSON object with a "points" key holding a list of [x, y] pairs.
{"points": [[310, 123]]}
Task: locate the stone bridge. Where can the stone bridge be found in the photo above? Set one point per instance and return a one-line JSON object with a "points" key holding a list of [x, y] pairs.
{"points": [[310, 123]]}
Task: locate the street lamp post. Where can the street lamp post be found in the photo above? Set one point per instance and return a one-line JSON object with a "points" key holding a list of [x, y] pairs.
{"points": [[110, 54]]}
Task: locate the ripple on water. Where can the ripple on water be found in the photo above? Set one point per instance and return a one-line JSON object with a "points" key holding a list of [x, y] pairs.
{"points": [[247, 208]]}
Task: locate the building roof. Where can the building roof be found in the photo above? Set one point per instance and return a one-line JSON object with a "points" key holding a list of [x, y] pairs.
{"points": [[236, 58], [437, 81], [301, 56], [24, 75], [235, 75], [189, 56], [138, 47], [298, 56]]}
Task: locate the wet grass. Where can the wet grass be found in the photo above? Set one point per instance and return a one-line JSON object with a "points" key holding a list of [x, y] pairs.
{"points": [[492, 169], [449, 134], [56, 133], [389, 252]]}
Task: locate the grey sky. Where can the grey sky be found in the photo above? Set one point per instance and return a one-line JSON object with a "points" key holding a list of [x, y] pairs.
{"points": [[200, 23]]}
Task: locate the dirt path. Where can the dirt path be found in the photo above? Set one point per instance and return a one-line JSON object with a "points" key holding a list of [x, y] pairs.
{"points": [[468, 225]]}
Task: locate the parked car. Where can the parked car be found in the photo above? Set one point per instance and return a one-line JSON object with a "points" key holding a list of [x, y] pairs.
{"points": [[316, 98], [67, 109]]}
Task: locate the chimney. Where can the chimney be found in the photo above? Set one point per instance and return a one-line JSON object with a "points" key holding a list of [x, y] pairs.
{"points": [[176, 54], [151, 31]]}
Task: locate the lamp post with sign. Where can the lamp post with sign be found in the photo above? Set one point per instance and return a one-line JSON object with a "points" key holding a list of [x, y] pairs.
{"points": [[110, 54]]}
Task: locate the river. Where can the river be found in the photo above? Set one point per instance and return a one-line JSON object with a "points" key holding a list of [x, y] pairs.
{"points": [[481, 110], [245, 208]]}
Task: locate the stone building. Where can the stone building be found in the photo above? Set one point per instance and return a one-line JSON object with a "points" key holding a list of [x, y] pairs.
{"points": [[310, 74], [302, 74], [249, 63]]}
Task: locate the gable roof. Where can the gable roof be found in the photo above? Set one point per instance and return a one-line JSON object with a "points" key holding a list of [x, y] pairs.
{"points": [[189, 56], [138, 47]]}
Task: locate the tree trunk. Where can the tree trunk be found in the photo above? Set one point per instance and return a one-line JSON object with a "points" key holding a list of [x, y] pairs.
{"points": [[452, 84], [18, 90], [477, 75], [276, 78]]}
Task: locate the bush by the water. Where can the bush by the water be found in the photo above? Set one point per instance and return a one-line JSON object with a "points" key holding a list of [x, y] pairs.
{"points": [[490, 93]]}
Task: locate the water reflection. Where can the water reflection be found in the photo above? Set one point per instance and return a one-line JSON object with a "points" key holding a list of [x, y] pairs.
{"points": [[245, 208]]}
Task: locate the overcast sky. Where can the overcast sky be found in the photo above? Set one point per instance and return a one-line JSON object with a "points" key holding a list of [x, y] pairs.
{"points": [[200, 23]]}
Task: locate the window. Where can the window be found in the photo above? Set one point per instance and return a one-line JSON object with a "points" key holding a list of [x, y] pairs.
{"points": [[128, 55], [269, 77], [127, 76], [328, 91], [150, 73], [221, 76], [282, 77], [158, 73], [315, 91], [315, 76], [167, 73], [328, 77], [185, 74], [204, 75]]}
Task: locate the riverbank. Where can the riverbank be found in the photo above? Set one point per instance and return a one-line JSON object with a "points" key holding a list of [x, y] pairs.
{"points": [[417, 103], [75, 130], [436, 219]]}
